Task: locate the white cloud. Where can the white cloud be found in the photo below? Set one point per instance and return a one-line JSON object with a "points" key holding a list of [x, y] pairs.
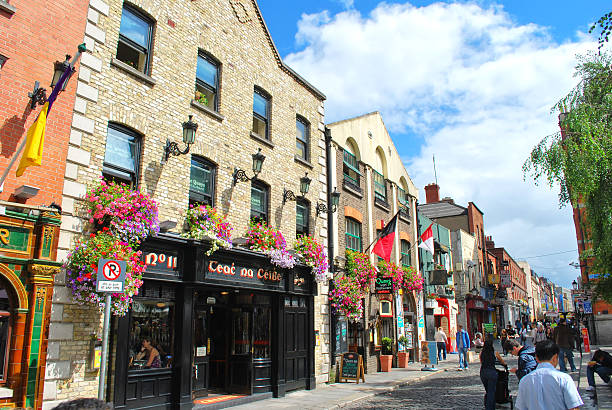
{"points": [[474, 85]]}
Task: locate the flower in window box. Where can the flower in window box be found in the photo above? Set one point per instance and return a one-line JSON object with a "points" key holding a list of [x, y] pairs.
{"points": [[313, 254], [270, 241], [205, 223], [81, 271], [437, 266], [201, 98]]}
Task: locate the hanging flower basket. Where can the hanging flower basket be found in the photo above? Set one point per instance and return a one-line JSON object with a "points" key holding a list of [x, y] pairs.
{"points": [[270, 241], [81, 270], [130, 215], [313, 254], [345, 298], [204, 222], [358, 266], [412, 280], [391, 270]]}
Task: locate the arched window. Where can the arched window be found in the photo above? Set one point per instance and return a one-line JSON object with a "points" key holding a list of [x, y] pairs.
{"points": [[135, 39], [350, 165], [202, 181], [353, 235], [380, 186], [405, 252], [302, 217], [122, 155], [260, 199]]}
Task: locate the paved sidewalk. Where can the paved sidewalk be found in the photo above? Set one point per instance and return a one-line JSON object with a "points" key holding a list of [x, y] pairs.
{"points": [[338, 395]]}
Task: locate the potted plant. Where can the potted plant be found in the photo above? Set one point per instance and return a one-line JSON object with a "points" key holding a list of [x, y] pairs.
{"points": [[386, 356], [402, 357]]}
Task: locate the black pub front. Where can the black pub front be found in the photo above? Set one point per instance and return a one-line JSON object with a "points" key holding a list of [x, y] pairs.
{"points": [[229, 323]]}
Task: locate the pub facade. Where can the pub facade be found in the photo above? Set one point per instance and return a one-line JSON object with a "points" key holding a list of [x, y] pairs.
{"points": [[223, 322]]}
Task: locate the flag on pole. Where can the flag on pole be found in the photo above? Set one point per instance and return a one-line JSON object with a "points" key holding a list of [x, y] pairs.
{"points": [[32, 154], [384, 245], [427, 241]]}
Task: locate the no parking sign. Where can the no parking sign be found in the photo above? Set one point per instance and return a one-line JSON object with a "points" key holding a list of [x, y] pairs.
{"points": [[111, 275]]}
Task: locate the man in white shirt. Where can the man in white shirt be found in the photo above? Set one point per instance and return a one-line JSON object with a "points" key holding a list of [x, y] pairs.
{"points": [[546, 388], [441, 339]]}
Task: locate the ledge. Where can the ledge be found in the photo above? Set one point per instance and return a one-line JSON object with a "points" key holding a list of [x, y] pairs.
{"points": [[207, 110], [264, 141], [350, 189], [9, 8], [382, 205], [303, 162], [131, 70]]}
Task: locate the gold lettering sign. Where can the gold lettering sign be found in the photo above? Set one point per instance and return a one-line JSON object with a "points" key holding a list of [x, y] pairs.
{"points": [[4, 236]]}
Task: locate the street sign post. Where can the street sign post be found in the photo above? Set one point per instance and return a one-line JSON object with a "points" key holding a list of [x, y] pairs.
{"points": [[110, 279]]}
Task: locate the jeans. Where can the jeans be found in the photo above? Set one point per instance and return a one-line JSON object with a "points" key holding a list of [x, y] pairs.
{"points": [[603, 372], [441, 350], [463, 357], [489, 380], [570, 358]]}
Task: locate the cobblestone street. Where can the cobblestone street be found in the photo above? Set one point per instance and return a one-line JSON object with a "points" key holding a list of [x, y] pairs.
{"points": [[447, 390]]}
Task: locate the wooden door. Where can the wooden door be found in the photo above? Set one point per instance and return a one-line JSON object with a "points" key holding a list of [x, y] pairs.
{"points": [[296, 342]]}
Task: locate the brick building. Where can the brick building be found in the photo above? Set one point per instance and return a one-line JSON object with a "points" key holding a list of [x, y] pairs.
{"points": [[374, 186], [153, 64], [33, 36]]}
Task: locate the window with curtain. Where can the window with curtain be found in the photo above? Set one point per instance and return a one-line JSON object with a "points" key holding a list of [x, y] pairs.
{"points": [[201, 181], [122, 155], [302, 217], [135, 38], [207, 81], [353, 235], [261, 113], [259, 202]]}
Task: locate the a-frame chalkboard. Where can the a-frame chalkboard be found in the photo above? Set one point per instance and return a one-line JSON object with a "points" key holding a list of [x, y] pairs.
{"points": [[351, 367]]}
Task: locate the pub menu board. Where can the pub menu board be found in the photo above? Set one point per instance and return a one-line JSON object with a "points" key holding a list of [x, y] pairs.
{"points": [[383, 285], [351, 367]]}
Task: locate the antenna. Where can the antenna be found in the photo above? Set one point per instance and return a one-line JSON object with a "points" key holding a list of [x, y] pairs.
{"points": [[434, 165]]}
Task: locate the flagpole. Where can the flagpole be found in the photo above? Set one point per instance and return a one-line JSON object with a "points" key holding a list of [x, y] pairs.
{"points": [[58, 86]]}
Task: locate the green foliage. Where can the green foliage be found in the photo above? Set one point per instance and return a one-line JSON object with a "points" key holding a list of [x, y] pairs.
{"points": [[386, 345], [579, 159], [403, 341], [605, 25]]}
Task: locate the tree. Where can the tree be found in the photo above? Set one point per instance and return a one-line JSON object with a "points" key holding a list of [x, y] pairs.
{"points": [[579, 159], [605, 25]]}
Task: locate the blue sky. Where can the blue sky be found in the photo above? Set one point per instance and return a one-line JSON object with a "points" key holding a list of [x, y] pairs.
{"points": [[469, 82]]}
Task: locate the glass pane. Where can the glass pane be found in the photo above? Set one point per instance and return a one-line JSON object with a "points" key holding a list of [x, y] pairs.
{"points": [[131, 56], [241, 335], [120, 150], [261, 332], [301, 149], [260, 105], [134, 28], [301, 215], [258, 199], [4, 331], [201, 178], [207, 72], [302, 132], [260, 127], [151, 340]]}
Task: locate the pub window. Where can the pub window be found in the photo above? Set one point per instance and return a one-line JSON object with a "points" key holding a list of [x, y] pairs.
{"points": [[303, 138], [405, 252], [151, 340], [135, 37], [122, 155], [259, 201], [5, 332], [380, 188], [350, 169], [207, 81], [353, 235], [385, 308], [261, 113], [201, 182], [302, 217], [261, 330]]}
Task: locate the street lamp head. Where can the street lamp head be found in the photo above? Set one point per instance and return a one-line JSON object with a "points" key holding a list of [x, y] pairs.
{"points": [[189, 131], [335, 198], [258, 159], [304, 184], [59, 67], [575, 285]]}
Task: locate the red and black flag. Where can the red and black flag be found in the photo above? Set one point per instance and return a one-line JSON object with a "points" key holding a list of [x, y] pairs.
{"points": [[384, 244]]}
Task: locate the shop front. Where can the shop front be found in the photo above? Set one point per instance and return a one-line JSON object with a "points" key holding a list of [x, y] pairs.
{"points": [[230, 323], [477, 314]]}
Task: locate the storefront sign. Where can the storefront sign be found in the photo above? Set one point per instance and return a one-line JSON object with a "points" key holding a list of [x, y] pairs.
{"points": [[236, 273], [505, 279], [14, 238], [479, 304], [383, 285], [201, 351], [162, 261], [587, 306]]}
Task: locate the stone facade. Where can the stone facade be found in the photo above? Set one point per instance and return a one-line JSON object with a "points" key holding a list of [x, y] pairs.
{"points": [[154, 105]]}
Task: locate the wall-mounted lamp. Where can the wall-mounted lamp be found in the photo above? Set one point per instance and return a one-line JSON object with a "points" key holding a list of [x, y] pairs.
{"points": [[335, 200], [39, 94], [189, 131], [240, 174], [575, 285], [288, 194]]}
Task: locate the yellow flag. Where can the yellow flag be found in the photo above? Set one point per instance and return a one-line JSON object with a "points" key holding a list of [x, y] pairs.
{"points": [[32, 154]]}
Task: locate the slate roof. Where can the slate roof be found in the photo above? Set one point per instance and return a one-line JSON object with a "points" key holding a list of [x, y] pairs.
{"points": [[441, 209]]}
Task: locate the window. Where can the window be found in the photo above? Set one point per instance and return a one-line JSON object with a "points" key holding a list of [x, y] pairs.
{"points": [[5, 331], [405, 253], [122, 156], [401, 196], [385, 309], [303, 138], [201, 181], [135, 35], [302, 218], [261, 113], [259, 202], [353, 235], [207, 82], [380, 188], [350, 169], [2, 60]]}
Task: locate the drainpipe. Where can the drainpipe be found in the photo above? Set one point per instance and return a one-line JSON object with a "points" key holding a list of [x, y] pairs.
{"points": [[330, 244]]}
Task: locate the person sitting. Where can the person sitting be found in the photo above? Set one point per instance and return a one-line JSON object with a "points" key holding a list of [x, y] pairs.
{"points": [[478, 343], [150, 354], [601, 363], [488, 374], [526, 358]]}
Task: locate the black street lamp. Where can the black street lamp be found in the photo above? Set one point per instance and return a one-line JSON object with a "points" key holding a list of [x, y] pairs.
{"points": [[335, 200], [288, 194], [189, 131], [39, 94], [258, 160]]}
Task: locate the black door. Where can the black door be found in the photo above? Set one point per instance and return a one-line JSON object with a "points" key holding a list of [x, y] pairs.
{"points": [[241, 351], [296, 342], [201, 347]]}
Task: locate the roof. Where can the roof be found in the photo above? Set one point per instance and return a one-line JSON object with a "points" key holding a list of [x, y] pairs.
{"points": [[441, 209], [353, 118]]}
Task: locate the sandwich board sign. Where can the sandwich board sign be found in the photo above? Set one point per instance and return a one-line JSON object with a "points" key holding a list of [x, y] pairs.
{"points": [[111, 275]]}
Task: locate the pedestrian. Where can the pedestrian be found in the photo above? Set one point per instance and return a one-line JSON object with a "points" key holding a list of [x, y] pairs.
{"points": [[478, 343], [463, 346], [524, 335], [547, 388], [563, 337], [502, 338], [526, 358], [518, 325], [540, 334], [488, 374], [601, 363], [441, 340]]}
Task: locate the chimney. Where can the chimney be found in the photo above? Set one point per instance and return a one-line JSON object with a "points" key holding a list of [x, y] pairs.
{"points": [[490, 244], [448, 199], [432, 193]]}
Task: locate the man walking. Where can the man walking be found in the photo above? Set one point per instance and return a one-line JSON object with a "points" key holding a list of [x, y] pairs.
{"points": [[526, 358], [547, 388], [463, 345], [441, 339], [563, 337]]}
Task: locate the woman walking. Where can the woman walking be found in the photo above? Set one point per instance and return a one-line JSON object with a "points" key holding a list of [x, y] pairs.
{"points": [[540, 334], [488, 374], [503, 337]]}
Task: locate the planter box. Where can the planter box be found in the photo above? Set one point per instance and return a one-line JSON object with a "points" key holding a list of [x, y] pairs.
{"points": [[402, 359], [385, 362]]}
